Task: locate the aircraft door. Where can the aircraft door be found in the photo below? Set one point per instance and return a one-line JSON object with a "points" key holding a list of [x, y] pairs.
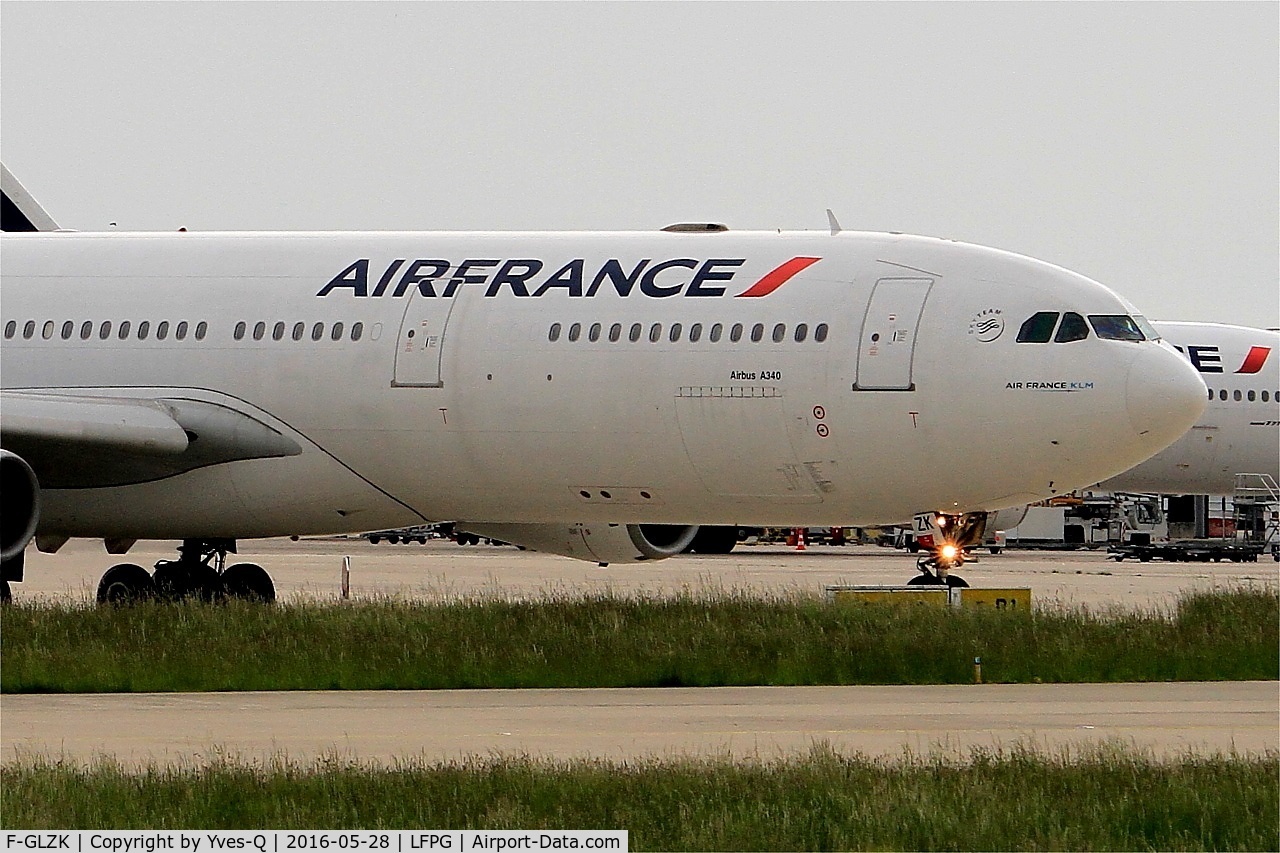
{"points": [[888, 341], [420, 347]]}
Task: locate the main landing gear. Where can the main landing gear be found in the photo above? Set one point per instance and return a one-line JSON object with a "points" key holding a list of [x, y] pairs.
{"points": [[197, 573], [942, 540]]}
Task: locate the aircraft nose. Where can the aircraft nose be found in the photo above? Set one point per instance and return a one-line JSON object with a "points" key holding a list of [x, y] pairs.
{"points": [[1164, 395]]}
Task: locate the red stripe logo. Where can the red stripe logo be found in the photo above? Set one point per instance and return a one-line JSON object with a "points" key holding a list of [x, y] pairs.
{"points": [[1255, 359], [778, 277]]}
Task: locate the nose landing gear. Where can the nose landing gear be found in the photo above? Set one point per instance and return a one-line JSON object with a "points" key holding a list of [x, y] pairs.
{"points": [[943, 538], [197, 573]]}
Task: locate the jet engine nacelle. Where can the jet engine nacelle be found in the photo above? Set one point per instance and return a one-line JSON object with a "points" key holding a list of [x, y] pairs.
{"points": [[19, 505], [597, 543]]}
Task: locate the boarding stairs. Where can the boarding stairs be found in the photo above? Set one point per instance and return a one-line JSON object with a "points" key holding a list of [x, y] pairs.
{"points": [[1256, 501]]}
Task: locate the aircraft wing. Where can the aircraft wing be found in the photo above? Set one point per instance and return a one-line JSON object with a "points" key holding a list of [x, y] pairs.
{"points": [[137, 426], [73, 441]]}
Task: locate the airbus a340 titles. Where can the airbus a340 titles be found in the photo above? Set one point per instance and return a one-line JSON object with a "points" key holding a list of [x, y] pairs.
{"points": [[597, 395]]}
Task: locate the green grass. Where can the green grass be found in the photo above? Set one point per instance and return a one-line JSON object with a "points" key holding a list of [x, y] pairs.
{"points": [[1108, 798], [610, 641]]}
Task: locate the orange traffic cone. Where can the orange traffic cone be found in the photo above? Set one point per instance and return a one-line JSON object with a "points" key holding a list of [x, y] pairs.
{"points": [[800, 539]]}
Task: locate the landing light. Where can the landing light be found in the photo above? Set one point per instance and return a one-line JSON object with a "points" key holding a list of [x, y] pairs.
{"points": [[948, 552]]}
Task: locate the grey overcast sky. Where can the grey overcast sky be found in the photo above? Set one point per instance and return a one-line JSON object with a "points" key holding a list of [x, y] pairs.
{"points": [[1137, 143]]}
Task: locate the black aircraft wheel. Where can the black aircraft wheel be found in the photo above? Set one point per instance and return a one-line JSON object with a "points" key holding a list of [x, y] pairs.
{"points": [[6, 593], [933, 580], [126, 583], [249, 581]]}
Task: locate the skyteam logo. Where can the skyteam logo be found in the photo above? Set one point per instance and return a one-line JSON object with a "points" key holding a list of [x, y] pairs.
{"points": [[530, 277], [987, 325]]}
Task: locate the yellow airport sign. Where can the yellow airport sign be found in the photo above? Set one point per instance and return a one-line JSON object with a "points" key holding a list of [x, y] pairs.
{"points": [[1008, 598], [935, 596]]}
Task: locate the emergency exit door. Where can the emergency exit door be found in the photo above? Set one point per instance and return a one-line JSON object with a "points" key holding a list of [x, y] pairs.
{"points": [[420, 347], [887, 346]]}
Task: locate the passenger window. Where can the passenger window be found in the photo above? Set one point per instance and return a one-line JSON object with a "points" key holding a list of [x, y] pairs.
{"points": [[675, 333], [1252, 396], [10, 329], [820, 333], [779, 333], [162, 330], [1235, 395], [615, 333], [144, 329], [259, 330], [47, 331], [802, 332], [336, 334], [357, 331], [757, 333], [735, 334], [594, 334], [695, 333], [317, 331], [554, 334], [201, 328], [1222, 395], [1265, 396], [1073, 328], [575, 331], [1116, 327], [277, 332], [29, 330], [86, 330], [655, 333], [67, 328], [299, 329], [716, 331], [181, 331], [1038, 328], [124, 330], [238, 334], [636, 330], [104, 331]]}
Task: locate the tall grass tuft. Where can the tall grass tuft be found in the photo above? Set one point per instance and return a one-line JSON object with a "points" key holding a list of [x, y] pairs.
{"points": [[619, 641], [1105, 798]]}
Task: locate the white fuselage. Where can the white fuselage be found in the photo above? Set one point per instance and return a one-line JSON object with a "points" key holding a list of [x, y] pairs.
{"points": [[1239, 431], [479, 387]]}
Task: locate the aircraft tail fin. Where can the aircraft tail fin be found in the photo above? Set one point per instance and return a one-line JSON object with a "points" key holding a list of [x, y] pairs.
{"points": [[18, 210]]}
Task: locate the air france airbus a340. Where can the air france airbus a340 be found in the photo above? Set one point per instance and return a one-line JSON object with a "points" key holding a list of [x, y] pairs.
{"points": [[596, 395]]}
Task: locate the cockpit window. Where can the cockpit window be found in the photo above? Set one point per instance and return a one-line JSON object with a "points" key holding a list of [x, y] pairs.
{"points": [[1073, 328], [1116, 327], [1145, 326], [1039, 328]]}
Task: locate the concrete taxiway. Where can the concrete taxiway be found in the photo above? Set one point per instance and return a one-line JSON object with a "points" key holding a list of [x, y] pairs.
{"points": [[742, 722], [311, 568], [626, 724]]}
